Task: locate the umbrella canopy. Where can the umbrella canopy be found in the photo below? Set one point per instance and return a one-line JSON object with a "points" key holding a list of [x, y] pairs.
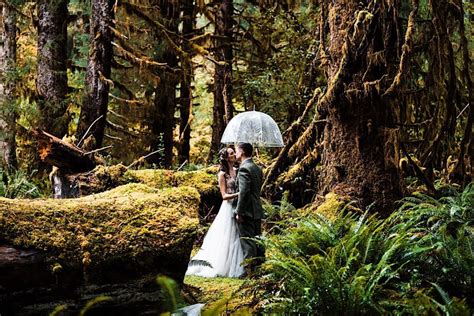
{"points": [[253, 127]]}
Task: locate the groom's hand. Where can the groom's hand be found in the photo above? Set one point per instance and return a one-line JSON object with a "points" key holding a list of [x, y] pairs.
{"points": [[239, 219]]}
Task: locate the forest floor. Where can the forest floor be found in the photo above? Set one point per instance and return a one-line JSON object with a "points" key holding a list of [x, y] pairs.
{"points": [[222, 296]]}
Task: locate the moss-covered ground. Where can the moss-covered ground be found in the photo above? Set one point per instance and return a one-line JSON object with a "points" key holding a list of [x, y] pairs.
{"points": [[221, 295]]}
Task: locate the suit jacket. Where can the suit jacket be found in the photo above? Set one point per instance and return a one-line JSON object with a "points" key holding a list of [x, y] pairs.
{"points": [[249, 179]]}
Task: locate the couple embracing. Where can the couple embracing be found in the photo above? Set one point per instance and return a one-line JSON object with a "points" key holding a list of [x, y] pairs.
{"points": [[230, 238]]}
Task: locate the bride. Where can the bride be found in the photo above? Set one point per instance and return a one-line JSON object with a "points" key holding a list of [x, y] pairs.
{"points": [[221, 250]]}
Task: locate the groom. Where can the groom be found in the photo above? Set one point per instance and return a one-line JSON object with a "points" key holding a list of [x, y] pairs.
{"points": [[249, 211]]}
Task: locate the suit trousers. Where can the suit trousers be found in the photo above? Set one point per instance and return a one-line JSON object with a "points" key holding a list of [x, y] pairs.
{"points": [[248, 230]]}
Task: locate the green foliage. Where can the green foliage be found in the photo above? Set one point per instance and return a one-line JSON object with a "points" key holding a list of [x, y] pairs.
{"points": [[58, 310], [17, 184], [170, 292], [273, 74], [277, 210], [417, 261], [93, 302]]}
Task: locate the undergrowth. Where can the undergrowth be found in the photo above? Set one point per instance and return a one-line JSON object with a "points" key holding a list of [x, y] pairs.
{"points": [[18, 184], [417, 261]]}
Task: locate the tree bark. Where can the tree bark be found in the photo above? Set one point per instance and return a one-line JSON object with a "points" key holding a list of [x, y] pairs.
{"points": [[8, 113], [223, 109], [65, 156], [360, 153], [186, 99], [466, 150], [94, 106], [163, 121], [51, 83]]}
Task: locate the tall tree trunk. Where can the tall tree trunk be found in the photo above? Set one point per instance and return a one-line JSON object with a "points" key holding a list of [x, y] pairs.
{"points": [[223, 109], [7, 87], [360, 147], [94, 106], [52, 56], [360, 151], [163, 121], [186, 99], [163, 118], [466, 150]]}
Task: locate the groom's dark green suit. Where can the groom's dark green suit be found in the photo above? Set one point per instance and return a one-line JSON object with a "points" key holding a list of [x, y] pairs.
{"points": [[249, 207]]}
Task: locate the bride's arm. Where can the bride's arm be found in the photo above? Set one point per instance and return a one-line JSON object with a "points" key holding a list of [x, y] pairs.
{"points": [[222, 187]]}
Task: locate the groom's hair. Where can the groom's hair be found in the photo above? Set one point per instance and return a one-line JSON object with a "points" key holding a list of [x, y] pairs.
{"points": [[246, 148]]}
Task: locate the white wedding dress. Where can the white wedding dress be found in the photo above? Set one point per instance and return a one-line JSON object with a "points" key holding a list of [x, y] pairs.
{"points": [[221, 248]]}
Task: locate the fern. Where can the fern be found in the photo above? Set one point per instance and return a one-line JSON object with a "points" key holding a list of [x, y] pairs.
{"points": [[359, 264], [196, 262]]}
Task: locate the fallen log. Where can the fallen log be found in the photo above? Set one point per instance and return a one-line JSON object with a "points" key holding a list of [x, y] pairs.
{"points": [[103, 178], [120, 236], [67, 157]]}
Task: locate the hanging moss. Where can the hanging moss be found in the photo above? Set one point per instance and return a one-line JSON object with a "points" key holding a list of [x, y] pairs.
{"points": [[133, 222]]}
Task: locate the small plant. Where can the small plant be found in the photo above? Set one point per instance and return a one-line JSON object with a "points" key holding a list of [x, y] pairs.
{"points": [[17, 184]]}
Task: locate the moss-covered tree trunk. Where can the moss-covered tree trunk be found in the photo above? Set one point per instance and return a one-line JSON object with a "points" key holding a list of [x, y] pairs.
{"points": [[94, 106], [7, 86], [186, 99], [163, 121], [223, 109], [51, 82], [364, 56], [115, 242], [360, 148], [462, 168]]}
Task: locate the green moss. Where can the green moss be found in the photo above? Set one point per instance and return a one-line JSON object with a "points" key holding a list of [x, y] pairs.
{"points": [[329, 208], [100, 179], [128, 221], [114, 173], [205, 181], [220, 291]]}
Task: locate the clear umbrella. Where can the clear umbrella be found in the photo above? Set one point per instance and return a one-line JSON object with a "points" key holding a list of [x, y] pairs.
{"points": [[253, 127]]}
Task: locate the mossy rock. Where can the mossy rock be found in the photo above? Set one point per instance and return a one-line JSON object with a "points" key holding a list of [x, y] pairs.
{"points": [[127, 231]]}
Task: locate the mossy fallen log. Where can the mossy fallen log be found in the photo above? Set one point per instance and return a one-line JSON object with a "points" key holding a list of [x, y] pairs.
{"points": [[103, 178], [130, 233], [131, 222], [107, 177], [205, 181], [118, 234]]}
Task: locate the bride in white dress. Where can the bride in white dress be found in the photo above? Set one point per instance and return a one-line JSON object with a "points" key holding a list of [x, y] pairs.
{"points": [[221, 250]]}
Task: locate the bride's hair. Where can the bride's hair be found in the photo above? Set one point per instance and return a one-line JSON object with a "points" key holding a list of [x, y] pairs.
{"points": [[223, 164]]}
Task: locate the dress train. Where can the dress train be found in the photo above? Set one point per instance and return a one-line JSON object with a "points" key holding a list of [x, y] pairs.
{"points": [[221, 247]]}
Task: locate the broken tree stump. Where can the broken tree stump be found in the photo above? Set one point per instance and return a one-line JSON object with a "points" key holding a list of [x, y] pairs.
{"points": [[63, 155]]}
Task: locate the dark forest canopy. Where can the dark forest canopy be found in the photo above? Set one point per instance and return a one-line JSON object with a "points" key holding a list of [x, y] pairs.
{"points": [[369, 93]]}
